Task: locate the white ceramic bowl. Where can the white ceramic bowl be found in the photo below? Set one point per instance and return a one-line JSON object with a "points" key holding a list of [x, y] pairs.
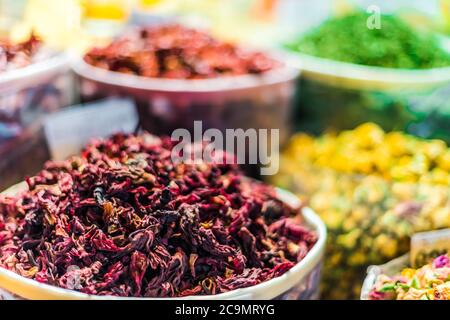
{"points": [[301, 282]]}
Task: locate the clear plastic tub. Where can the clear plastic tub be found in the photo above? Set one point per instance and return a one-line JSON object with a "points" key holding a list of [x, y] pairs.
{"points": [[29, 92], [301, 282], [390, 268], [340, 96], [361, 77], [250, 101]]}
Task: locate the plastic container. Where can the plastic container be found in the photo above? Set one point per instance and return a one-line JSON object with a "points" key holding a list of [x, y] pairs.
{"points": [[26, 95], [427, 281], [29, 92], [338, 95], [301, 282], [370, 220], [374, 190], [262, 102], [390, 268], [6, 296]]}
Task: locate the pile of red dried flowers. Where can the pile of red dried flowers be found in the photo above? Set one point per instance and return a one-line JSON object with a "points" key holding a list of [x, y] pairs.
{"points": [[13, 56], [122, 219], [177, 52]]}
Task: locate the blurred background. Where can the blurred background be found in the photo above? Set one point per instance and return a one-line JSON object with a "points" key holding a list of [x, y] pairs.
{"points": [[73, 23], [375, 102]]}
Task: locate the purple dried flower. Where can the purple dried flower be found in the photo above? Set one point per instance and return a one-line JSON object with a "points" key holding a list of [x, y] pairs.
{"points": [[441, 261], [123, 220]]}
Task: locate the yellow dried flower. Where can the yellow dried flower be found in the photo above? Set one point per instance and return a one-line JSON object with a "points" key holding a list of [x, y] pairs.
{"points": [[408, 273], [373, 191]]}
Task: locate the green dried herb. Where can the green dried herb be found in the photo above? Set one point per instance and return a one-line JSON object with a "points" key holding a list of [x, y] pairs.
{"points": [[388, 287], [394, 45]]}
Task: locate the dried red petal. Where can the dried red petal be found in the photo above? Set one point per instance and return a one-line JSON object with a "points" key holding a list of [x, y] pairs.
{"points": [[122, 219], [177, 52]]}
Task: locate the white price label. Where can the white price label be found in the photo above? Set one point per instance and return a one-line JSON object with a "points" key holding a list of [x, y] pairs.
{"points": [[69, 130]]}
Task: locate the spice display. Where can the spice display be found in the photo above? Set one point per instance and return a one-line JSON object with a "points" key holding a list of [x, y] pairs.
{"points": [[373, 190], [177, 52], [222, 85], [394, 45], [123, 219], [431, 282], [13, 56]]}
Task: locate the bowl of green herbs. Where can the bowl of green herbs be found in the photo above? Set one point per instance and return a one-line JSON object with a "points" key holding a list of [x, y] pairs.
{"points": [[353, 72], [348, 51]]}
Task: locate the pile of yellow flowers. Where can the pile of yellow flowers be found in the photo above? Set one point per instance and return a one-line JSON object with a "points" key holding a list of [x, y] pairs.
{"points": [[369, 150], [373, 190]]}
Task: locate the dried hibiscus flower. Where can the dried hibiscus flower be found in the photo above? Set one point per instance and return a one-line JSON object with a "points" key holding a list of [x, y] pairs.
{"points": [[13, 56], [122, 219], [177, 52]]}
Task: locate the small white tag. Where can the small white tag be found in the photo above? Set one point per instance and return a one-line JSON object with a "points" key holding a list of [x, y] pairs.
{"points": [[428, 245], [69, 130]]}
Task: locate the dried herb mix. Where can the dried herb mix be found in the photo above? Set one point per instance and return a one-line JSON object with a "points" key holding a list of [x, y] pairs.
{"points": [[394, 45], [430, 282], [177, 52], [13, 56], [373, 189], [123, 220]]}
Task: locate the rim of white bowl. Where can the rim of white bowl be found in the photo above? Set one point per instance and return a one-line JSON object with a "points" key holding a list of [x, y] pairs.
{"points": [[263, 291], [365, 76], [46, 68], [275, 76]]}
